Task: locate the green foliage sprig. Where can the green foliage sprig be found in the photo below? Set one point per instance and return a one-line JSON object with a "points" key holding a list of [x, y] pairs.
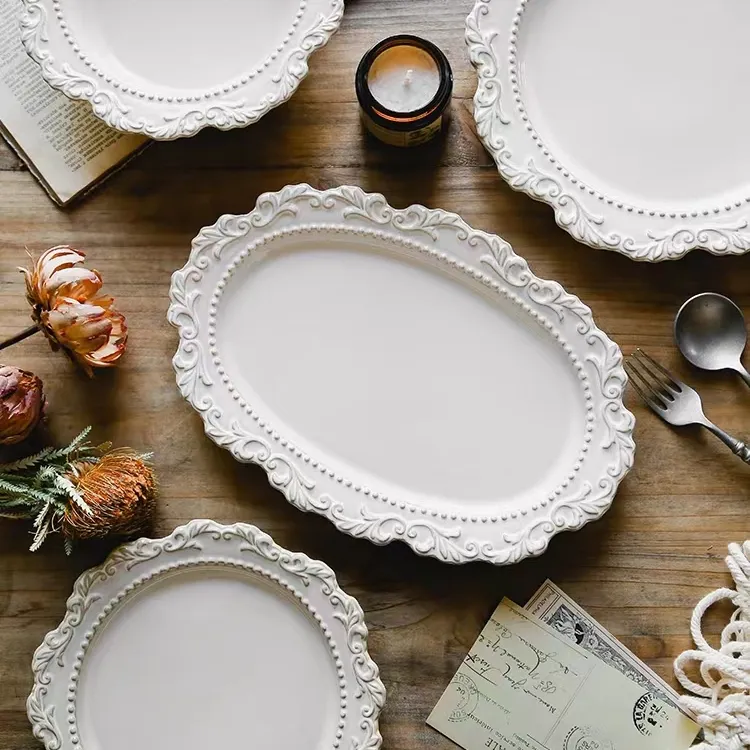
{"points": [[38, 487]]}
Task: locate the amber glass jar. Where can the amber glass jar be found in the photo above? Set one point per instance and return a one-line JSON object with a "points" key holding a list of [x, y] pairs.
{"points": [[404, 87]]}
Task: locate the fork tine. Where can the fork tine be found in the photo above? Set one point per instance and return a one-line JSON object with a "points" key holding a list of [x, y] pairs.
{"points": [[658, 372], [654, 399], [653, 379]]}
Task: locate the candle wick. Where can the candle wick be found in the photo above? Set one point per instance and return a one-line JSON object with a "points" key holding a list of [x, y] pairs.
{"points": [[409, 77]]}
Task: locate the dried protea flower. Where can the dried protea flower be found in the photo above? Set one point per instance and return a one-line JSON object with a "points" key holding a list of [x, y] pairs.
{"points": [[68, 307], [21, 404], [119, 491], [92, 333], [82, 490]]}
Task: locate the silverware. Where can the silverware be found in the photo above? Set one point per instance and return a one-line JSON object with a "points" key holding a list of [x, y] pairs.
{"points": [[674, 401], [710, 332]]}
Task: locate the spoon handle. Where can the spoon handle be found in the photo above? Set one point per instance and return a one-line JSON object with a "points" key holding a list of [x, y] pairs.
{"points": [[744, 374], [736, 446]]}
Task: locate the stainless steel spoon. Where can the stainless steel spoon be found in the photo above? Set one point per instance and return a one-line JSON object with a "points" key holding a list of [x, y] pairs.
{"points": [[710, 332]]}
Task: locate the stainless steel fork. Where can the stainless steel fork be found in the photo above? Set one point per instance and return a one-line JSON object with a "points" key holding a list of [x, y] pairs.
{"points": [[674, 401]]}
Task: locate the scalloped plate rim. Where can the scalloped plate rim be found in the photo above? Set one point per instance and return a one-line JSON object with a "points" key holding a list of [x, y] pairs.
{"points": [[179, 118], [99, 593], [591, 221], [381, 522]]}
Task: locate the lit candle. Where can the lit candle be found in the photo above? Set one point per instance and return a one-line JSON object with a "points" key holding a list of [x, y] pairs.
{"points": [[404, 86], [404, 78]]}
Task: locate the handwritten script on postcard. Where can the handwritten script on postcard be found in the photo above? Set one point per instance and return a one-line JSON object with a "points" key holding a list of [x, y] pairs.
{"points": [[523, 686], [552, 605]]}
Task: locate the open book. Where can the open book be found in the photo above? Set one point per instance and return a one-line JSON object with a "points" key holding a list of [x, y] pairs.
{"points": [[66, 147]]}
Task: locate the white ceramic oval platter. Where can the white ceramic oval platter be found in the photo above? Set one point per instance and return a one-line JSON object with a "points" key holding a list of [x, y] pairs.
{"points": [[213, 637], [167, 69], [599, 109], [402, 374]]}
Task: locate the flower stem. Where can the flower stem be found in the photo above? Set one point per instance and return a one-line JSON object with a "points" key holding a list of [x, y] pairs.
{"points": [[30, 331]]}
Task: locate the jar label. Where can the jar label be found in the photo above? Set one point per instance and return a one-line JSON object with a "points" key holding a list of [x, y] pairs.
{"points": [[405, 139]]}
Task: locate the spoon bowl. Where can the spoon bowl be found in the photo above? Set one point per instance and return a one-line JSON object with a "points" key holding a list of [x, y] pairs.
{"points": [[710, 332]]}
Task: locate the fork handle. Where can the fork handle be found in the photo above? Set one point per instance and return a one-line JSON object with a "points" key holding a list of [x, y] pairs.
{"points": [[736, 446]]}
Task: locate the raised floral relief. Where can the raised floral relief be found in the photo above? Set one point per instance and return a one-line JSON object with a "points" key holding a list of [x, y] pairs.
{"points": [[302, 478]]}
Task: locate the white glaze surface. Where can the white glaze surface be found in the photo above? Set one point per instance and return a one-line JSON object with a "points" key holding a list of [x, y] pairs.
{"points": [[212, 637], [612, 103], [185, 44], [401, 373], [392, 353], [170, 68], [208, 658], [597, 109]]}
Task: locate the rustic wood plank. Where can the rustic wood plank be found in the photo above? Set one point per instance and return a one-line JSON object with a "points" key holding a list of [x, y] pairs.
{"points": [[640, 570]]}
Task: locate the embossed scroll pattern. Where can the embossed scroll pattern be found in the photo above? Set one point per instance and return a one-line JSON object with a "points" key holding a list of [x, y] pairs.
{"points": [[310, 484], [592, 217], [97, 594], [173, 115]]}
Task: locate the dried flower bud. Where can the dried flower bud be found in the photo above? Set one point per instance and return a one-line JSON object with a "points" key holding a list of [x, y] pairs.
{"points": [[21, 404], [93, 334], [119, 492], [68, 306]]}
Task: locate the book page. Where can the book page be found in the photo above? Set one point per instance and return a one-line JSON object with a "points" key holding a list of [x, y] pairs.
{"points": [[65, 145]]}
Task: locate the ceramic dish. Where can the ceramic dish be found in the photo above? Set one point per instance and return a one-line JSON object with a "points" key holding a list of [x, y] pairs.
{"points": [[169, 69], [213, 637], [596, 109], [402, 374]]}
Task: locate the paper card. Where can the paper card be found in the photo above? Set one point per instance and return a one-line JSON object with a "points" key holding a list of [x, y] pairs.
{"points": [[553, 606], [523, 686]]}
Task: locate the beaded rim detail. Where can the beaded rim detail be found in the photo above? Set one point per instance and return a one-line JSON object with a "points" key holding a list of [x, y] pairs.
{"points": [[100, 592], [175, 113], [515, 79], [411, 247], [132, 589], [435, 237], [57, 7], [590, 216]]}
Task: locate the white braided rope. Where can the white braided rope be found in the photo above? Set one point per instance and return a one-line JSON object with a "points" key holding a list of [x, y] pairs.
{"points": [[721, 703]]}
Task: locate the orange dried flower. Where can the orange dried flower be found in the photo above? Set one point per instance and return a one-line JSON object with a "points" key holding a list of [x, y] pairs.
{"points": [[119, 492], [82, 490], [21, 404], [68, 307]]}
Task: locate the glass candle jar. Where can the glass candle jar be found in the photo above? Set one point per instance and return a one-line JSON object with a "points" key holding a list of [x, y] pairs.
{"points": [[404, 87]]}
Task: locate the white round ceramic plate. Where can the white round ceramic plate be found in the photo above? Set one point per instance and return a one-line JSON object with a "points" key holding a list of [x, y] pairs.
{"points": [[213, 637], [402, 374], [169, 68], [626, 117]]}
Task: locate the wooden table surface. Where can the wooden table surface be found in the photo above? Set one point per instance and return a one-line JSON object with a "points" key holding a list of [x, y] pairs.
{"points": [[640, 570]]}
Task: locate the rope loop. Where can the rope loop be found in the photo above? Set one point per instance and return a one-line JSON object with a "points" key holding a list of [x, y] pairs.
{"points": [[721, 701]]}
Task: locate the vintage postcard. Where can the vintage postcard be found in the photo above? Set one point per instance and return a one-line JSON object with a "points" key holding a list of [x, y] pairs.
{"points": [[553, 606], [524, 686]]}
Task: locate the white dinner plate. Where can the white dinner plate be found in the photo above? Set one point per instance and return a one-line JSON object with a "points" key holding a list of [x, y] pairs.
{"points": [[402, 374], [168, 68], [213, 637], [628, 118]]}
